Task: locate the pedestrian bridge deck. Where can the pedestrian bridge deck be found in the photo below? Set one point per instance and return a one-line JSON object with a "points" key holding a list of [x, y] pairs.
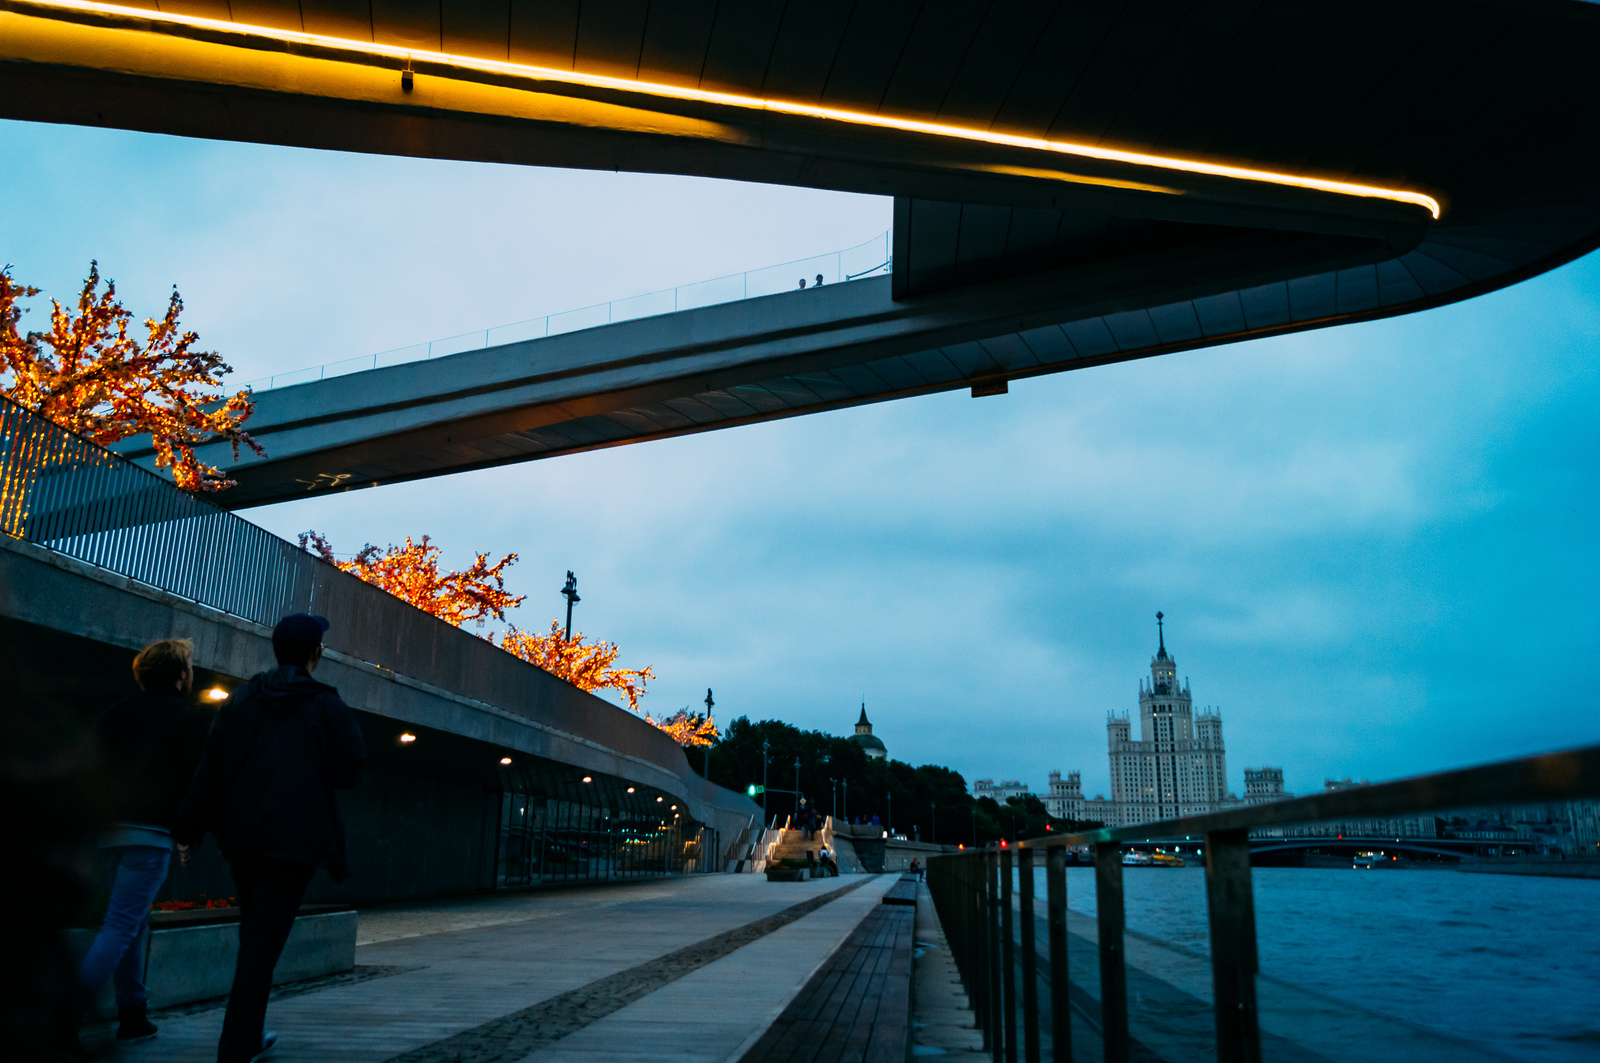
{"points": [[685, 969]]}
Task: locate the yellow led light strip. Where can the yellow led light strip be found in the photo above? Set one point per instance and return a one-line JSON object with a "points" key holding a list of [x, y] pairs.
{"points": [[729, 99]]}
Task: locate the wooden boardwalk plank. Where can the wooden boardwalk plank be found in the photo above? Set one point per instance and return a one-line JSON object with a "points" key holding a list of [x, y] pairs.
{"points": [[857, 1007]]}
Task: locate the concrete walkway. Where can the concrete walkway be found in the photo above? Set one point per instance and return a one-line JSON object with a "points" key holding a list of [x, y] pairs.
{"points": [[689, 969]]}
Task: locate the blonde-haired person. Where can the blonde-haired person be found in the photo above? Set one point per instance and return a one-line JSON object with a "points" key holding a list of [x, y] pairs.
{"points": [[149, 746]]}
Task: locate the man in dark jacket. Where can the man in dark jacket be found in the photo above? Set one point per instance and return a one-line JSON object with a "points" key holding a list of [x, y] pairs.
{"points": [[282, 744], [149, 745]]}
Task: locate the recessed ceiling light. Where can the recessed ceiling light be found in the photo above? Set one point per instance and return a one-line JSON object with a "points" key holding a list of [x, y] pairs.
{"points": [[407, 738], [587, 779], [505, 760]]}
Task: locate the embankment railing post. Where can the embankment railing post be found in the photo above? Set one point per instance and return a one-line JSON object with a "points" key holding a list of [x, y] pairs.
{"points": [[991, 885], [1008, 958], [1231, 906], [1113, 967], [1030, 958], [1055, 879]]}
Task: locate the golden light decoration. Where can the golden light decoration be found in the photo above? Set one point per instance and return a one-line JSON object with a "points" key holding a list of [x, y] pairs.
{"points": [[505, 760], [587, 666], [411, 573], [943, 130], [630, 789], [587, 779], [90, 375], [406, 738]]}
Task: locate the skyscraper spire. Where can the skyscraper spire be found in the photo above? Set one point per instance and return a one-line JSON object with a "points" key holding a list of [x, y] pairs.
{"points": [[1161, 635]]}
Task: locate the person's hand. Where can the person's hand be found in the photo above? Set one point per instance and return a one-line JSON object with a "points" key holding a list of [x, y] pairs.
{"points": [[185, 854]]}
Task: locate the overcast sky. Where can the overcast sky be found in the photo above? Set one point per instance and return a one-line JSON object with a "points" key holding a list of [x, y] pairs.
{"points": [[1375, 545]]}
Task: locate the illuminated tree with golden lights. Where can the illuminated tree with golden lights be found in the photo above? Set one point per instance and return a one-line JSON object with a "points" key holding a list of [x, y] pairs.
{"points": [[689, 728], [587, 666], [411, 573], [89, 375]]}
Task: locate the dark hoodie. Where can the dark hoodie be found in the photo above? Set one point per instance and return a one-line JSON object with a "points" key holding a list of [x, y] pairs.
{"points": [[281, 745], [149, 745]]}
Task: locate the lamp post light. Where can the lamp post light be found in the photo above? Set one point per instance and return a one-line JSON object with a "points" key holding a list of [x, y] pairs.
{"points": [[707, 760], [570, 593]]}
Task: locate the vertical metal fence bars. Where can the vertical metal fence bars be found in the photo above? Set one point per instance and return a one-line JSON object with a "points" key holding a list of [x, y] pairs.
{"points": [[1230, 907], [1030, 957], [973, 891], [1055, 879], [1109, 916], [1008, 956], [992, 990]]}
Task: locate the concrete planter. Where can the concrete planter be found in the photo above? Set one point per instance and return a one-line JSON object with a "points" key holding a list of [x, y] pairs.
{"points": [[191, 955]]}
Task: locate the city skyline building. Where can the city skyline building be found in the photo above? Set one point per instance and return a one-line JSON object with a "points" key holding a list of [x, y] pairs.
{"points": [[1000, 791], [1178, 764]]}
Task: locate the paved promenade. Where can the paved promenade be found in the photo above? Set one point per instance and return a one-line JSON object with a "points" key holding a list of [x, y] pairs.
{"points": [[688, 969]]}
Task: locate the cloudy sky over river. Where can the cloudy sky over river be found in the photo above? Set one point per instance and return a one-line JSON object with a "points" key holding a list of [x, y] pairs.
{"points": [[1375, 545]]}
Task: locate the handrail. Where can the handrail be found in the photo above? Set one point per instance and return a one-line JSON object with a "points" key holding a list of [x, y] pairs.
{"points": [[973, 891], [1547, 777], [865, 259]]}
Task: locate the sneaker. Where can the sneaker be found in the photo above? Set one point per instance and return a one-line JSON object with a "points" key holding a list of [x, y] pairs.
{"points": [[133, 1025], [267, 1041]]}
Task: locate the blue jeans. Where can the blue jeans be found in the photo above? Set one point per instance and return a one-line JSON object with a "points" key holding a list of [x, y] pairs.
{"points": [[136, 873]]}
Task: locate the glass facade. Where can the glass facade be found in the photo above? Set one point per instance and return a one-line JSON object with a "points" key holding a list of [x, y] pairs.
{"points": [[554, 824]]}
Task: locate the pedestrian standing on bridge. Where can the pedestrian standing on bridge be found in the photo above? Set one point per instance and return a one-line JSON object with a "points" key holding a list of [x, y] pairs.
{"points": [[280, 747], [149, 745]]}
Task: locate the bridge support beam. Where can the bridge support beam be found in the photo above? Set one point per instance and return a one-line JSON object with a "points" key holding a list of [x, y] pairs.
{"points": [[1231, 904]]}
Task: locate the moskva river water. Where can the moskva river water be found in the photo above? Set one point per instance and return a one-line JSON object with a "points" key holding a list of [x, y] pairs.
{"points": [[1500, 966]]}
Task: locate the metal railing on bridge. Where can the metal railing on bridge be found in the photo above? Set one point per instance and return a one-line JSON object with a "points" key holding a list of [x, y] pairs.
{"points": [[868, 259], [61, 491], [975, 893]]}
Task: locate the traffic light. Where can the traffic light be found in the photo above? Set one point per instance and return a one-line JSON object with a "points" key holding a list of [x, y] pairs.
{"points": [[754, 789]]}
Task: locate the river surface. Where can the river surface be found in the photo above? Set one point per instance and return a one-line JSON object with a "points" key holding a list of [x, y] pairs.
{"points": [[1508, 962]]}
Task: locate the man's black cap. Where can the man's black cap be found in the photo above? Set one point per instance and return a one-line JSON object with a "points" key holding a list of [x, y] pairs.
{"points": [[296, 636]]}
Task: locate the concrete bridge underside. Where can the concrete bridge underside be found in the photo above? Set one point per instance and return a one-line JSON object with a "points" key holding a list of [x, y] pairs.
{"points": [[1058, 202]]}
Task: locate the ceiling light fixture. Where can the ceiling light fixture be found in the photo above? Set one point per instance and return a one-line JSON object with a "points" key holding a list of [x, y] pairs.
{"points": [[757, 103], [406, 738]]}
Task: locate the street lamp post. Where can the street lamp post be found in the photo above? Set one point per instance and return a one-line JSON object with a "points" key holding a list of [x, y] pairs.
{"points": [[889, 826], [570, 593], [844, 800], [707, 760], [797, 797], [766, 821]]}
